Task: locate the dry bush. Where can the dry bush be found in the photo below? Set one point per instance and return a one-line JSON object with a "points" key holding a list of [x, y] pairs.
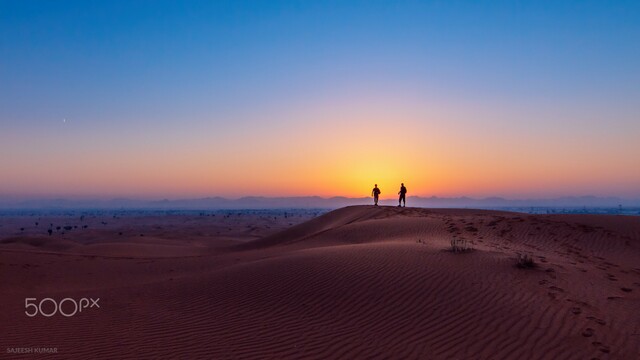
{"points": [[461, 245], [525, 261]]}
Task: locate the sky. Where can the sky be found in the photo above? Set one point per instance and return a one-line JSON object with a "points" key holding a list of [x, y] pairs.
{"points": [[185, 99]]}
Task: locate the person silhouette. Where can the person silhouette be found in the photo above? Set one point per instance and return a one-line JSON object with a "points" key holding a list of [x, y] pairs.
{"points": [[402, 193], [375, 193]]}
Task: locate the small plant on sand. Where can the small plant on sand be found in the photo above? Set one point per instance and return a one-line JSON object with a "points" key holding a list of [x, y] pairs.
{"points": [[461, 245], [525, 261]]}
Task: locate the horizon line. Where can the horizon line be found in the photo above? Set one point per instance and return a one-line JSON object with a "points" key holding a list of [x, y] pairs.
{"points": [[313, 201], [234, 198]]}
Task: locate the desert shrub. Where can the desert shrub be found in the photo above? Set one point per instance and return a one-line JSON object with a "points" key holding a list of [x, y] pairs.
{"points": [[460, 245], [525, 261]]}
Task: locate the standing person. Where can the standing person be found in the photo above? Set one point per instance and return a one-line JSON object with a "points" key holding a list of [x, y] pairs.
{"points": [[402, 193], [375, 193]]}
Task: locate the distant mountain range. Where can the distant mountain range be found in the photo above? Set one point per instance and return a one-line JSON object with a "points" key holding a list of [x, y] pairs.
{"points": [[257, 202]]}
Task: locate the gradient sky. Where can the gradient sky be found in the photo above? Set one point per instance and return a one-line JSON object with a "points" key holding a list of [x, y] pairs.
{"points": [[172, 99]]}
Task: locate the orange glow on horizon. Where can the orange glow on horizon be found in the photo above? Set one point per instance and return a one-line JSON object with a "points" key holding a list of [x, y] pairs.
{"points": [[304, 154]]}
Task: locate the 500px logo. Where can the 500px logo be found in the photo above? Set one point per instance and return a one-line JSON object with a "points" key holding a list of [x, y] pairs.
{"points": [[64, 306]]}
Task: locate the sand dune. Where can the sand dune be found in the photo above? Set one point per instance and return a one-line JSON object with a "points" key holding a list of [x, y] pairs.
{"points": [[358, 282]]}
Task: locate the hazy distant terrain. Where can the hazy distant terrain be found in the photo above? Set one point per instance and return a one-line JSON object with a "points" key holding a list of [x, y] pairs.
{"points": [[562, 204]]}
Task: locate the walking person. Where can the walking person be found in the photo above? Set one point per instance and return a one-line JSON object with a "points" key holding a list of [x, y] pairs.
{"points": [[375, 193], [403, 192]]}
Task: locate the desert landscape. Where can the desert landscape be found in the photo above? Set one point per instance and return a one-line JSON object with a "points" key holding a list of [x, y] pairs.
{"points": [[357, 282], [320, 180]]}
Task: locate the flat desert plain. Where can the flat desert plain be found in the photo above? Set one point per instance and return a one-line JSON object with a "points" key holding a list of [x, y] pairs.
{"points": [[357, 282]]}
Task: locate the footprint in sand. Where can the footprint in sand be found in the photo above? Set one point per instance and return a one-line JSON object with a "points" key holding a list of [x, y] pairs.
{"points": [[551, 273], [588, 332], [576, 310], [598, 321]]}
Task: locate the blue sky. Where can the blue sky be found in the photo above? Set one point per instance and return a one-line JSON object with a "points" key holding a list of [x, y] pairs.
{"points": [[143, 75]]}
